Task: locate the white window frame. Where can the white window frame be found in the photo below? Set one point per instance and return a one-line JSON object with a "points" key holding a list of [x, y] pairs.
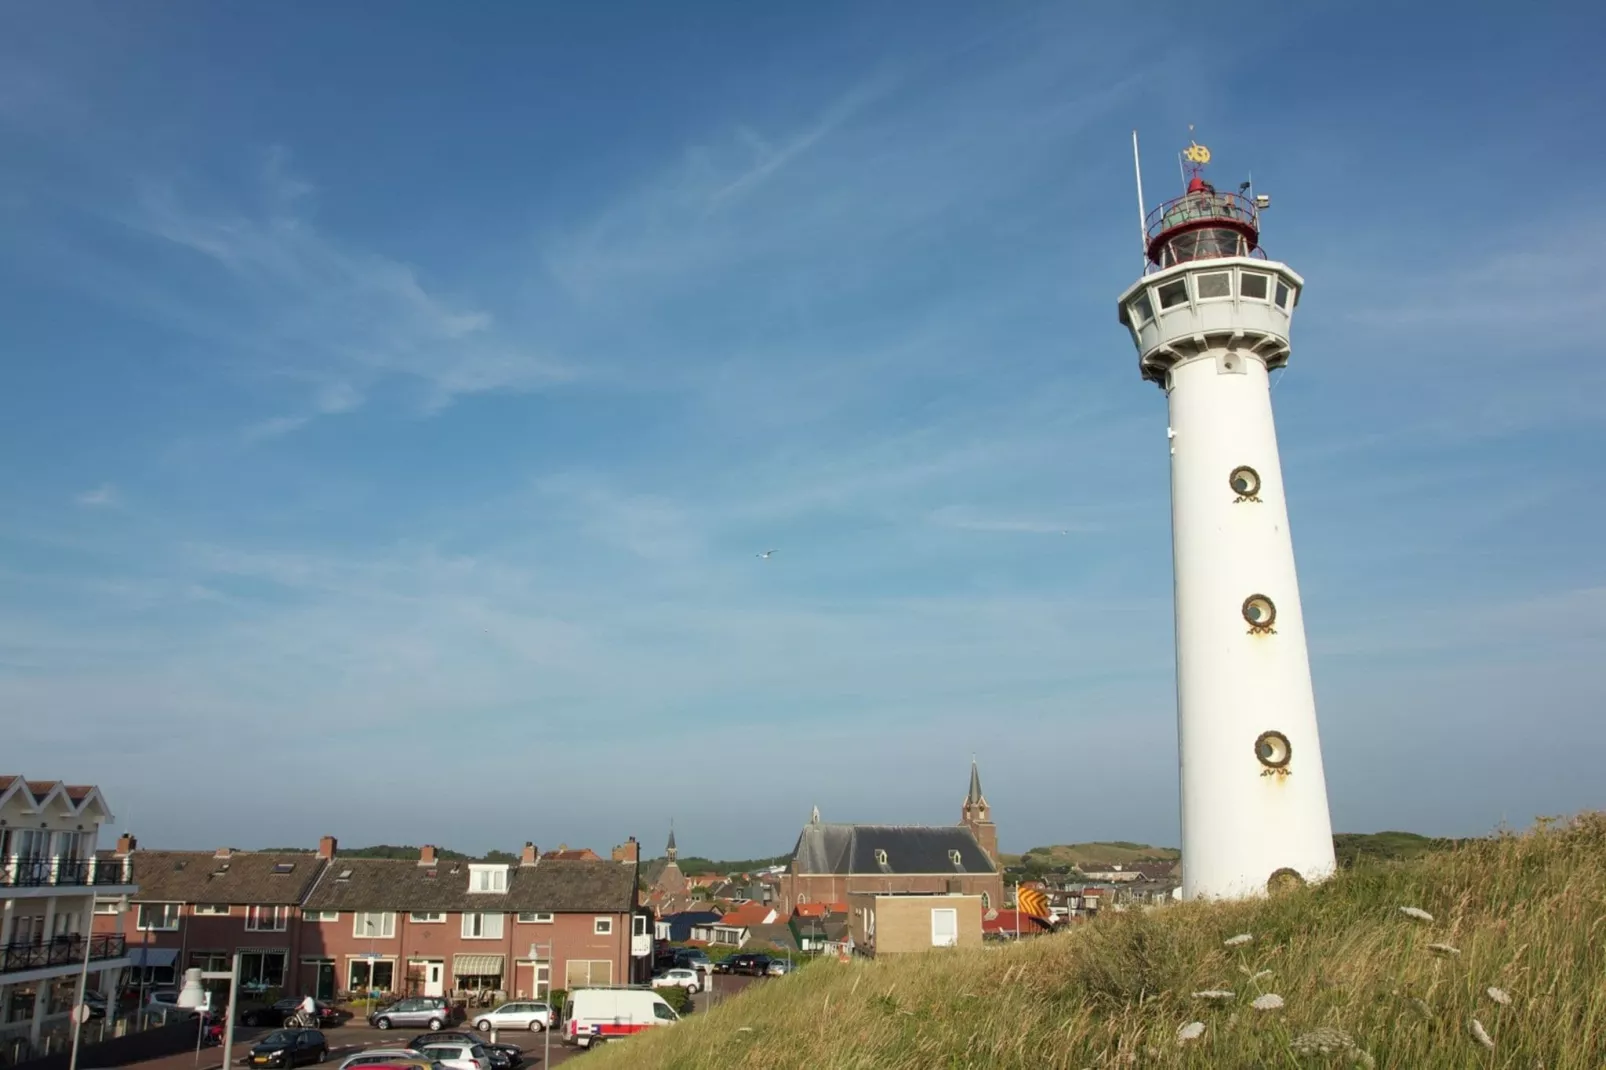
{"points": [[601, 926], [492, 874], [952, 915], [170, 918], [535, 917], [210, 910], [425, 917], [477, 926], [1264, 276], [384, 924], [108, 906], [1199, 292], [267, 919], [320, 915]]}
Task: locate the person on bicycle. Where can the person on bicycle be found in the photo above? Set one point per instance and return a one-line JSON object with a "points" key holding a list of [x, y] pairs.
{"points": [[308, 1011]]}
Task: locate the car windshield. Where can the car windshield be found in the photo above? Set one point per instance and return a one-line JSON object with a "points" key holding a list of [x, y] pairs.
{"points": [[280, 1038]]}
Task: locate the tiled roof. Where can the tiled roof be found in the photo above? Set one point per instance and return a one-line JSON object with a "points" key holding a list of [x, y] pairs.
{"points": [[747, 914], [551, 885], [245, 877], [922, 849], [774, 935]]}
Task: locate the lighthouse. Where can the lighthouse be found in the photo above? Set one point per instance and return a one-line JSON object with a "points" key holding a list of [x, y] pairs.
{"points": [[1210, 317]]}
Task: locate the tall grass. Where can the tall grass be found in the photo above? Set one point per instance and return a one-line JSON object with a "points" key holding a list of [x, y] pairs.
{"points": [[1360, 981]]}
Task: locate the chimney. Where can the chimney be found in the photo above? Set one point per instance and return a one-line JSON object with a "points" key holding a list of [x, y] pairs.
{"points": [[629, 851], [326, 848], [426, 855], [222, 852], [531, 853], [126, 844]]}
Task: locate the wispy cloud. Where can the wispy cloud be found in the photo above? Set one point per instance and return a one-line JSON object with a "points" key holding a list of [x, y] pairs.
{"points": [[98, 497]]}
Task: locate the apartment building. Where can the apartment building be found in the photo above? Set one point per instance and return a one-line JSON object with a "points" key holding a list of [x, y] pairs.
{"points": [[50, 879], [331, 926]]}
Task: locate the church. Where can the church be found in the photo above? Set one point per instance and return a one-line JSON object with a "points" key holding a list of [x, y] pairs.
{"points": [[832, 861]]}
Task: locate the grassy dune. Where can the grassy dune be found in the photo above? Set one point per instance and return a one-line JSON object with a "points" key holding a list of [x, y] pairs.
{"points": [[1108, 853], [1523, 915]]}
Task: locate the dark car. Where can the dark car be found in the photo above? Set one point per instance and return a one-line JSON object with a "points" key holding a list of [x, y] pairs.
{"points": [[503, 1056], [280, 1012], [747, 962], [289, 1047]]}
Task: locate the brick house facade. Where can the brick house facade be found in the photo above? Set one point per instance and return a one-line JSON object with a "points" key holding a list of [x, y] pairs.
{"points": [[326, 925], [834, 861]]}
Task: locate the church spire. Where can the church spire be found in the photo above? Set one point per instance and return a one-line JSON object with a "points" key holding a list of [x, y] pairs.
{"points": [[670, 851], [975, 797]]}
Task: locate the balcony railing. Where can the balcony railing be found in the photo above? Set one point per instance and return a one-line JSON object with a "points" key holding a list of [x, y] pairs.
{"points": [[64, 872], [61, 951]]}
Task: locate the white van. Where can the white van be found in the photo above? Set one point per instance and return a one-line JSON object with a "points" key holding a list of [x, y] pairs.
{"points": [[594, 1015]]}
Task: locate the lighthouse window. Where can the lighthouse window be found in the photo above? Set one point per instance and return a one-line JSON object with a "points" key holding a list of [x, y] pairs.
{"points": [[1174, 293], [1282, 296], [1273, 750], [1142, 311], [1218, 284], [1251, 285], [1259, 611]]}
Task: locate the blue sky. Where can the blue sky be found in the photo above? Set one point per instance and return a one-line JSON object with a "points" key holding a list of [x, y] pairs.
{"points": [[395, 404]]}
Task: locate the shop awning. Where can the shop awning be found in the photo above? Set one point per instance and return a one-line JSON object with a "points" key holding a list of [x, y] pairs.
{"points": [[477, 965], [152, 956]]}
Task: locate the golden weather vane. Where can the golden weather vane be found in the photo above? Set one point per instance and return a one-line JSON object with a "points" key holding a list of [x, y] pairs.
{"points": [[1196, 153]]}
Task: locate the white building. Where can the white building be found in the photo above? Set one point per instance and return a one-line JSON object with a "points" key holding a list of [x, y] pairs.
{"points": [[1210, 318], [49, 880]]}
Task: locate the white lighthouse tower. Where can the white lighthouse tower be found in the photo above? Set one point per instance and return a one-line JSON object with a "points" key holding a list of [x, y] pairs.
{"points": [[1210, 318]]}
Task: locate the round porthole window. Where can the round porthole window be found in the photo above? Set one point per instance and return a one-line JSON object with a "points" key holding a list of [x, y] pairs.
{"points": [[1245, 481], [1259, 611], [1284, 880], [1273, 750]]}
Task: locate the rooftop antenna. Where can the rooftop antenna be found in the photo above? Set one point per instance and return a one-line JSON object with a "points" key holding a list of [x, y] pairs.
{"points": [[1143, 230]]}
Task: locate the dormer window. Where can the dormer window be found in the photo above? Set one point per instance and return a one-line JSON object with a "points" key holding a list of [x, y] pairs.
{"points": [[953, 856], [880, 856], [487, 878]]}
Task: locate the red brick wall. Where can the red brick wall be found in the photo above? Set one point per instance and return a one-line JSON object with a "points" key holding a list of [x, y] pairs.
{"points": [[814, 888]]}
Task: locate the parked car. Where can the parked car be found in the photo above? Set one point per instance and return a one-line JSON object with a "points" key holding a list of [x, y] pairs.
{"points": [[692, 958], [388, 1057], [278, 1013], [522, 1015], [680, 977], [747, 962], [289, 1047], [780, 968], [502, 1056], [432, 1011], [455, 1055]]}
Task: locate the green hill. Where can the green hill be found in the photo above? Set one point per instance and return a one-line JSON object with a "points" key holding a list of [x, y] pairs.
{"points": [[1092, 855], [1516, 943]]}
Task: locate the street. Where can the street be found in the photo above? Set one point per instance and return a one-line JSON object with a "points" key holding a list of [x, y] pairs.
{"points": [[348, 1040]]}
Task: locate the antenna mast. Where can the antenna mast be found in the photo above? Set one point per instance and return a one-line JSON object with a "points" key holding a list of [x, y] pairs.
{"points": [[1143, 230]]}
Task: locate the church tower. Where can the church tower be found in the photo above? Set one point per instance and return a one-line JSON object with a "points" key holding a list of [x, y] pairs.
{"points": [[978, 816], [671, 881]]}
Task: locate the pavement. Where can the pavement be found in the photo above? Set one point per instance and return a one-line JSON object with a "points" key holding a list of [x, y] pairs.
{"points": [[358, 1035]]}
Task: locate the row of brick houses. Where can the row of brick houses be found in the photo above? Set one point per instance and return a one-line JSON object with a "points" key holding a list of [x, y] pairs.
{"points": [[331, 926]]}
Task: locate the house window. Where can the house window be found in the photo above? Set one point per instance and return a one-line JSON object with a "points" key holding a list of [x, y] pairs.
{"points": [[638, 923], [374, 924], [537, 918], [262, 969], [210, 961], [212, 909], [482, 926], [487, 878], [602, 926], [266, 919], [321, 915], [108, 906], [577, 973], [364, 975], [158, 917], [426, 917]]}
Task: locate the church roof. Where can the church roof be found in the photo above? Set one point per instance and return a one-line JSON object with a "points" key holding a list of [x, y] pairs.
{"points": [[908, 849]]}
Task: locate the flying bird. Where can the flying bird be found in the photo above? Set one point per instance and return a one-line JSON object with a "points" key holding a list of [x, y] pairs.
{"points": [[765, 555]]}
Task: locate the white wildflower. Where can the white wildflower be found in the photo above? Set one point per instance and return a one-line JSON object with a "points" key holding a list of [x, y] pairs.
{"points": [[1219, 994], [1191, 1031], [1499, 995], [1416, 912], [1481, 1035], [1323, 1041], [1361, 1058], [1444, 949], [1239, 940], [1271, 1001]]}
